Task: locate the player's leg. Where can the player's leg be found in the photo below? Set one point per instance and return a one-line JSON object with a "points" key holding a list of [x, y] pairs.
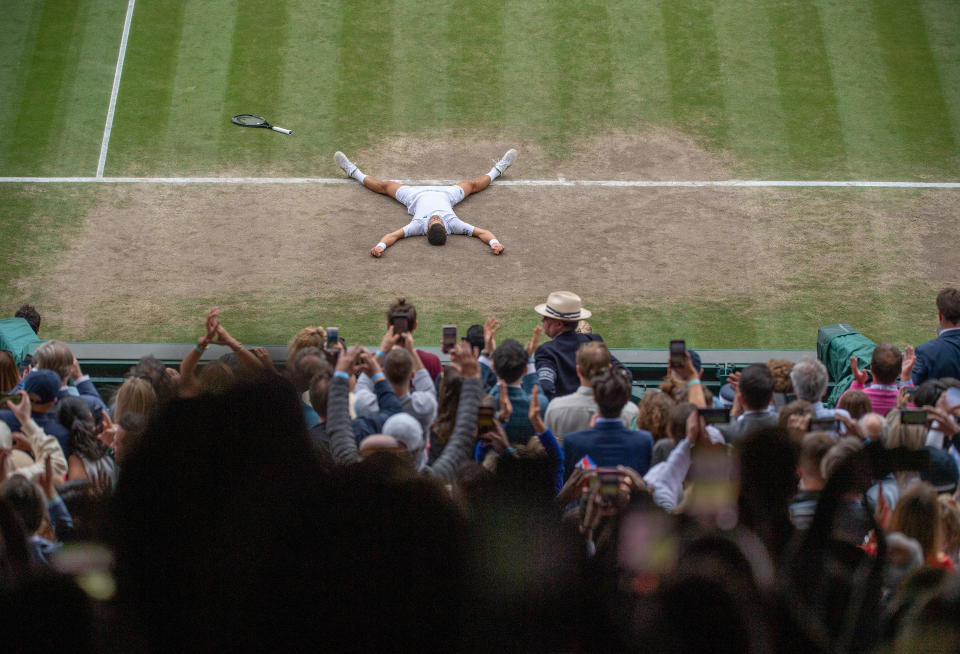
{"points": [[372, 183], [477, 184]]}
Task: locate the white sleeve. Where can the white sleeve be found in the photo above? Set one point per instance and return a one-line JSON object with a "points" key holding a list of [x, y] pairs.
{"points": [[42, 446], [665, 479], [365, 396]]}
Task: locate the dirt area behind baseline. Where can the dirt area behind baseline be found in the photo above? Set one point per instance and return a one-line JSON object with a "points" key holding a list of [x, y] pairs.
{"points": [[611, 244]]}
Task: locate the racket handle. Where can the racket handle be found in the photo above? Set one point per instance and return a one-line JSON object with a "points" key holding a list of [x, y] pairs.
{"points": [[279, 129]]}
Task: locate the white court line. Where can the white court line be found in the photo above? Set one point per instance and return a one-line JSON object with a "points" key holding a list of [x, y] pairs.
{"points": [[108, 127], [735, 183]]}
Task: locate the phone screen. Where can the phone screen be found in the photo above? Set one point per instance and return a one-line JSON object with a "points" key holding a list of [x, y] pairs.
{"points": [[678, 351], [333, 337], [401, 324], [715, 416], [913, 417], [449, 338], [13, 397], [824, 424]]}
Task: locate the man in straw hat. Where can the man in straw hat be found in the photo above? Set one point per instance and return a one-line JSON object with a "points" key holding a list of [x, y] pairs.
{"points": [[556, 360], [430, 206]]}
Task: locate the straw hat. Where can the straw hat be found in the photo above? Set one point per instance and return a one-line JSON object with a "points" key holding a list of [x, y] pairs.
{"points": [[563, 305]]}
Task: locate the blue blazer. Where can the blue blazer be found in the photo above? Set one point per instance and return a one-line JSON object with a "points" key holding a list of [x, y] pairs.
{"points": [[556, 362], [609, 444], [938, 358]]}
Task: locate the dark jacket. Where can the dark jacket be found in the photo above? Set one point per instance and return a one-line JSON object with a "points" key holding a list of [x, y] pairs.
{"points": [[938, 358], [609, 444], [734, 431], [556, 362]]}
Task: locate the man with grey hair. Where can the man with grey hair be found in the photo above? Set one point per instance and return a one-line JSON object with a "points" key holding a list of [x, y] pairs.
{"points": [[809, 377]]}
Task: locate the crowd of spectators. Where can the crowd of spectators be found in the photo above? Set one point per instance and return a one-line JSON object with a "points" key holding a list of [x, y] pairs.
{"points": [[514, 499]]}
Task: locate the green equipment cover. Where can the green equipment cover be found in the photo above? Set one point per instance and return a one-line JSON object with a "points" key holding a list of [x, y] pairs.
{"points": [[18, 337], [835, 345]]}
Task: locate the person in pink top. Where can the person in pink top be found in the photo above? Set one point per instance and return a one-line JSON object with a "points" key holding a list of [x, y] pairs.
{"points": [[885, 365]]}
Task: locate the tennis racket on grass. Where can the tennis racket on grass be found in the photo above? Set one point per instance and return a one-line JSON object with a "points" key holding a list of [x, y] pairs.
{"points": [[250, 120]]}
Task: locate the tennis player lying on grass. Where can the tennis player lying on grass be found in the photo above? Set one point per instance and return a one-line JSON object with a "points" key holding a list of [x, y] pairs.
{"points": [[430, 206]]}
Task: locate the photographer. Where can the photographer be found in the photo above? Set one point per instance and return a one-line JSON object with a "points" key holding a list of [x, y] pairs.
{"points": [[343, 439], [400, 361]]}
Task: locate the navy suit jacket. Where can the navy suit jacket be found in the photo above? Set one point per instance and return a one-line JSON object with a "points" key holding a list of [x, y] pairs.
{"points": [[938, 358], [556, 362], [609, 444]]}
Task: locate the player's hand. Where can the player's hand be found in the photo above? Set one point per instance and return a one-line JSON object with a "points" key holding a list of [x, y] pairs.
{"points": [[376, 251], [497, 248]]}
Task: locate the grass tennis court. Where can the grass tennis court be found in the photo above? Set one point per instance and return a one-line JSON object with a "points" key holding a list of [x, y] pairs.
{"points": [[670, 90]]}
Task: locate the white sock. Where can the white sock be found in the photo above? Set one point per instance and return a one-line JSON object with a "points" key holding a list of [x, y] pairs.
{"points": [[494, 173], [357, 175]]}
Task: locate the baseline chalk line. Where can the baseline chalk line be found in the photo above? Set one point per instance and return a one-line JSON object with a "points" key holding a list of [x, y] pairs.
{"points": [[729, 183]]}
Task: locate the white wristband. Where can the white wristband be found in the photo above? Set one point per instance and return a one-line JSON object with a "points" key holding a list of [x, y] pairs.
{"points": [[381, 244], [493, 242]]}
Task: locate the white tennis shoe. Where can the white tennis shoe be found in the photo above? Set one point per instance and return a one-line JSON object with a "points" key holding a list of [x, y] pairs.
{"points": [[348, 166], [506, 161]]}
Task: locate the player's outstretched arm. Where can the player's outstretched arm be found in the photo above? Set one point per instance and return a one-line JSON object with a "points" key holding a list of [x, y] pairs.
{"points": [[386, 241], [487, 237]]}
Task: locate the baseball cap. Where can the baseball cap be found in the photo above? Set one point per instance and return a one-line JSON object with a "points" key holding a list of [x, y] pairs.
{"points": [[43, 383], [406, 429]]}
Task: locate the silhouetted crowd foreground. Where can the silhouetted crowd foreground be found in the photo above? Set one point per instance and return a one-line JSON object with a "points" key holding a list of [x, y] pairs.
{"points": [[515, 499]]}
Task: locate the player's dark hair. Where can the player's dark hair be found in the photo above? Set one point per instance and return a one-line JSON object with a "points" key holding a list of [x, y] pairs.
{"points": [[437, 234]]}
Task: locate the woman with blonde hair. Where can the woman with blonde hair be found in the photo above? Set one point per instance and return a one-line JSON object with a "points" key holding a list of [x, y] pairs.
{"points": [[135, 395], [306, 337]]}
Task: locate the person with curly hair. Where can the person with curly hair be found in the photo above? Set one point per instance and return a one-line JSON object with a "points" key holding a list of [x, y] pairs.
{"points": [[654, 414]]}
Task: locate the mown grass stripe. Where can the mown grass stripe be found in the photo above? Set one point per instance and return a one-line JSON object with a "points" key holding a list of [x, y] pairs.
{"points": [[39, 113], [197, 113], [581, 49], [365, 83], [18, 32], [530, 79], [308, 79], [914, 84], [756, 130], [696, 82], [474, 38], [638, 64], [141, 121], [253, 85], [942, 19], [420, 65], [866, 112], [807, 93]]}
